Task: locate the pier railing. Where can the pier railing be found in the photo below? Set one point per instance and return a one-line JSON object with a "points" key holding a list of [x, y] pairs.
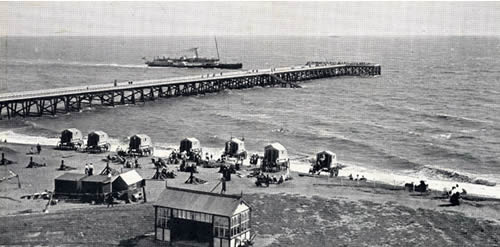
{"points": [[73, 99]]}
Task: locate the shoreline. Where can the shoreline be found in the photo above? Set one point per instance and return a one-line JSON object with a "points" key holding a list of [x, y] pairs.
{"points": [[298, 164]]}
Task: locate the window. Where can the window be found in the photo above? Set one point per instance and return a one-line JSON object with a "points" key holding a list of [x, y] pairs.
{"points": [[162, 217], [240, 223], [221, 227]]}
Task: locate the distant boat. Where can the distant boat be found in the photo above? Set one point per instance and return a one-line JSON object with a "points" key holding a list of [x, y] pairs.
{"points": [[193, 62]]}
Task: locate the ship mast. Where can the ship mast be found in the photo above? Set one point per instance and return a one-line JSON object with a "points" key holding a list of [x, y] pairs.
{"points": [[217, 48]]}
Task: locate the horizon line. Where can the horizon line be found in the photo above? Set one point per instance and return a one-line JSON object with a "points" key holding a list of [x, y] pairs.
{"points": [[259, 35]]}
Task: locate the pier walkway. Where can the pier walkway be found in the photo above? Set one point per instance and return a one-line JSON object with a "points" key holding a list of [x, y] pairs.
{"points": [[73, 99]]}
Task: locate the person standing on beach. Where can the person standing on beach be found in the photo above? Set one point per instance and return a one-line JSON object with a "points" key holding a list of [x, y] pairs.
{"points": [[110, 200], [38, 148], [87, 169], [223, 181], [91, 169]]}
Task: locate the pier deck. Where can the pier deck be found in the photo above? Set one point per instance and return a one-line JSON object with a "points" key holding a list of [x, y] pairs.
{"points": [[73, 99]]}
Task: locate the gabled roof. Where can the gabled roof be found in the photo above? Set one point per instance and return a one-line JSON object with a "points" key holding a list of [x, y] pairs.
{"points": [[327, 152], [72, 130], [141, 136], [236, 140], [71, 176], [199, 201], [191, 139], [276, 146], [97, 179], [131, 177], [99, 133]]}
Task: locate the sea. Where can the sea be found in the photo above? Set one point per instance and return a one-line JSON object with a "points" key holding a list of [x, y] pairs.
{"points": [[433, 114]]}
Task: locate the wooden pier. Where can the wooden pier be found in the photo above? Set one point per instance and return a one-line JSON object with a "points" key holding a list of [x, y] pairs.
{"points": [[73, 99]]}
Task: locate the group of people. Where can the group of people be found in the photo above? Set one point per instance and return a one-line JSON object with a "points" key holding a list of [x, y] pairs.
{"points": [[266, 179], [132, 164], [362, 178], [455, 194], [89, 169]]}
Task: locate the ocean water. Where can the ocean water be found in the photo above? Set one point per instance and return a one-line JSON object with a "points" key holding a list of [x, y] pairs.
{"points": [[433, 114]]}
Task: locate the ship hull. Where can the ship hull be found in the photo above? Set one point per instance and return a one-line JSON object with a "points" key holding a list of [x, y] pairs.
{"points": [[217, 65]]}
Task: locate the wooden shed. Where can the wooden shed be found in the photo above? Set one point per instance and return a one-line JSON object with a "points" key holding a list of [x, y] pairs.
{"points": [[128, 181], [96, 187], [68, 184], [203, 218]]}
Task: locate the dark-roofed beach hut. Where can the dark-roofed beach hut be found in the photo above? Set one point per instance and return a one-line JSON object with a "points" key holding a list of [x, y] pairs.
{"points": [[326, 159], [98, 141], [141, 145], [235, 148], [189, 144], [275, 158], [204, 218], [70, 139], [96, 187], [68, 184]]}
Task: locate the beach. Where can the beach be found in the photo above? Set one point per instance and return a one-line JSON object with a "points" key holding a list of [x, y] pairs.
{"points": [[310, 209]]}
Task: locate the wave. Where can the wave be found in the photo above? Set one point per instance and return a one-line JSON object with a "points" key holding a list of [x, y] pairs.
{"points": [[446, 174], [455, 119], [73, 63]]}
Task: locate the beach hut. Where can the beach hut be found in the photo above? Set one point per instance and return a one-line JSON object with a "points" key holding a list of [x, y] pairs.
{"points": [[235, 148], [275, 158], [128, 181], [98, 141], [71, 139], [141, 145], [68, 185], [202, 218], [190, 145], [326, 159], [95, 188]]}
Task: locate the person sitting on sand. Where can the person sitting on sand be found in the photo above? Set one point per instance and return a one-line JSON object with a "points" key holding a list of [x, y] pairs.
{"points": [[362, 178], [281, 180], [350, 177]]}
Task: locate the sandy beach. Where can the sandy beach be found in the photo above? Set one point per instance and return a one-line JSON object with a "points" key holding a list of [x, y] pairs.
{"points": [[309, 209]]}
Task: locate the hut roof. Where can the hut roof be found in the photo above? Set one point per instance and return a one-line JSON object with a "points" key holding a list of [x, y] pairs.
{"points": [[98, 179], [141, 136], [191, 139], [236, 140], [100, 133], [276, 146], [199, 201], [327, 152], [72, 130], [71, 177], [130, 177]]}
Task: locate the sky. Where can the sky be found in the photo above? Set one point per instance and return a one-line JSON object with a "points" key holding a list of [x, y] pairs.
{"points": [[248, 18]]}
